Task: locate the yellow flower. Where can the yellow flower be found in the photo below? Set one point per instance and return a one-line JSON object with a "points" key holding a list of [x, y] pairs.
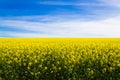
{"points": [[45, 68]]}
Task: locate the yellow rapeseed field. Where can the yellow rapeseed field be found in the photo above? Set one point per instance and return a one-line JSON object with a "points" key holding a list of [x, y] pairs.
{"points": [[59, 59]]}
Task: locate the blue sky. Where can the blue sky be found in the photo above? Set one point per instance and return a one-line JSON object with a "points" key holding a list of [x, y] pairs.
{"points": [[59, 18]]}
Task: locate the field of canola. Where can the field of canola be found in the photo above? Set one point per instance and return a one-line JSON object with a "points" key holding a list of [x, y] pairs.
{"points": [[59, 59]]}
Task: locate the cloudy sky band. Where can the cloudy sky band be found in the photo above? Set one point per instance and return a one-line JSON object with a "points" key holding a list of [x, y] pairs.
{"points": [[98, 18]]}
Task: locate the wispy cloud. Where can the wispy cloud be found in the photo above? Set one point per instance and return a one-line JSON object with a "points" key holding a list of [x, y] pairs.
{"points": [[66, 28], [114, 3], [71, 3], [109, 3], [23, 34]]}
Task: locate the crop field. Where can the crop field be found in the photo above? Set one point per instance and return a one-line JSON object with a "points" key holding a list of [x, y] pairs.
{"points": [[59, 59]]}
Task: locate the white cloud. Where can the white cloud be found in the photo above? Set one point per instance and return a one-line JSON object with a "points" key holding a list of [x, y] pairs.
{"points": [[23, 34], [115, 3], [66, 28]]}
